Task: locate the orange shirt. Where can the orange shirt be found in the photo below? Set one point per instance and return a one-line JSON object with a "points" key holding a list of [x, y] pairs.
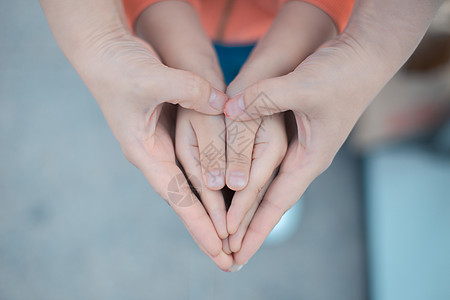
{"points": [[242, 21]]}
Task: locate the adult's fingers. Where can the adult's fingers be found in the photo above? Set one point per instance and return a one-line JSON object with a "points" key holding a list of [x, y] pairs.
{"points": [[297, 31], [171, 184], [240, 140], [226, 246], [223, 260], [185, 204], [187, 150], [235, 239], [188, 90], [268, 151], [282, 194]]}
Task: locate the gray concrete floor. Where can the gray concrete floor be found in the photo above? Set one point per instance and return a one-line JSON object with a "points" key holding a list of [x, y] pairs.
{"points": [[77, 221]]}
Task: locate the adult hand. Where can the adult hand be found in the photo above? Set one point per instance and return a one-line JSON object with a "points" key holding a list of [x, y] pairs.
{"points": [[199, 138], [327, 93], [131, 86], [298, 30]]}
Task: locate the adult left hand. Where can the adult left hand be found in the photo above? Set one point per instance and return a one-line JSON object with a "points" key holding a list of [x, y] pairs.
{"points": [[297, 31], [327, 93]]}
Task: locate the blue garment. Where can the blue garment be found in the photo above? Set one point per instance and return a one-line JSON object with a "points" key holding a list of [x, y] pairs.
{"points": [[231, 59]]}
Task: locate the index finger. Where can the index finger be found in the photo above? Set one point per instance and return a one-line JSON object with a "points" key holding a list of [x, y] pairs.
{"points": [[171, 184]]}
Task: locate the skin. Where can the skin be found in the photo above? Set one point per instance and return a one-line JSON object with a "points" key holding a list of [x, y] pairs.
{"points": [[196, 131], [327, 93], [132, 88], [297, 31], [170, 26]]}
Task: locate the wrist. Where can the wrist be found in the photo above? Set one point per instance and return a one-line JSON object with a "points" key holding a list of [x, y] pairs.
{"points": [[76, 24], [91, 46], [118, 63]]}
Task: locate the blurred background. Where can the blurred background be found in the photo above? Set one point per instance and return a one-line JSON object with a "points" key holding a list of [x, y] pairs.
{"points": [[77, 221]]}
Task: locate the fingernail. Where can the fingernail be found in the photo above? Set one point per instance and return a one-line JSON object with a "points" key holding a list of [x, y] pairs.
{"points": [[217, 100], [237, 180], [215, 179], [235, 106], [235, 267]]}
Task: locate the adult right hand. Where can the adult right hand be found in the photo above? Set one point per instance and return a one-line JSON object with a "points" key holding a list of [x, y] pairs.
{"points": [[132, 101], [133, 88]]}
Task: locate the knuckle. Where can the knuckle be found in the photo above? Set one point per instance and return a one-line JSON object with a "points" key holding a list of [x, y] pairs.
{"points": [[132, 149], [148, 84], [325, 163], [239, 160], [274, 206], [212, 157], [129, 154], [253, 92], [195, 87]]}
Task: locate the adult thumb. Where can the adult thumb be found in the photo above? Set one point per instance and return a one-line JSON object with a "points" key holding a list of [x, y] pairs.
{"points": [[264, 98], [189, 91]]}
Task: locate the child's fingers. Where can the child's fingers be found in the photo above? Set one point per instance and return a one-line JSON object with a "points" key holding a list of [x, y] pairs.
{"points": [[188, 154], [240, 142], [210, 134]]}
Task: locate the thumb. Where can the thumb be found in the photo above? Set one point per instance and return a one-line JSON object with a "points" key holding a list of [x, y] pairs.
{"points": [[189, 91], [264, 98]]}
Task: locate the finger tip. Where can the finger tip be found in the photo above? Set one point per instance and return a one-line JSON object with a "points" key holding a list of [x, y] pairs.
{"points": [[237, 180], [223, 233], [215, 251], [217, 100], [215, 180], [227, 251], [226, 246], [221, 227], [234, 106], [235, 268], [235, 243], [219, 219], [224, 261], [232, 224], [215, 186], [239, 258]]}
